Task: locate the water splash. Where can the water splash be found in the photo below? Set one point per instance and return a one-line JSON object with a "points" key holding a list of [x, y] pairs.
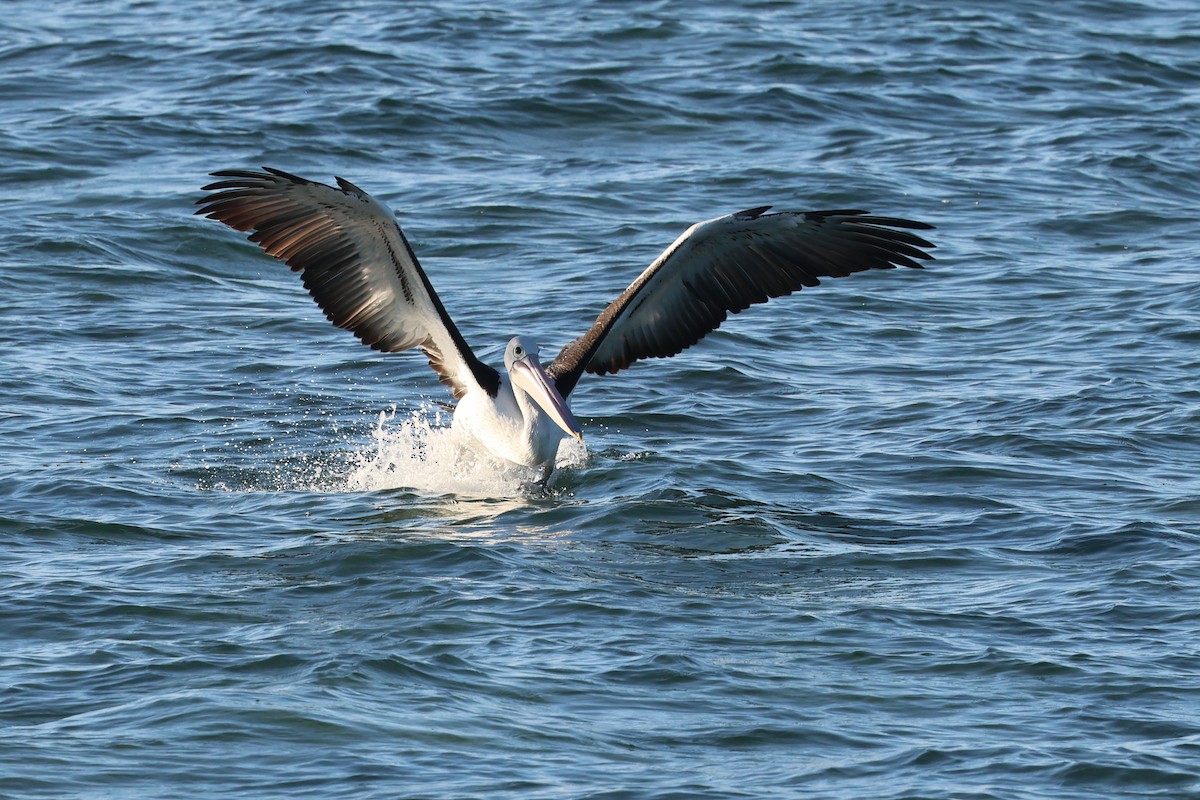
{"points": [[418, 452], [423, 454]]}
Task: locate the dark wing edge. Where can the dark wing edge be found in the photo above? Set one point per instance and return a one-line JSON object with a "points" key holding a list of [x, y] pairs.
{"points": [[725, 265], [354, 260]]}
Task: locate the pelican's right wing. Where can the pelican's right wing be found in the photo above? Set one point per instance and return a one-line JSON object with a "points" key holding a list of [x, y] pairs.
{"points": [[724, 265], [354, 261]]}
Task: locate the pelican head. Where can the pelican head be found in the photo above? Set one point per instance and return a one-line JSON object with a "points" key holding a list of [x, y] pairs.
{"points": [[526, 374]]}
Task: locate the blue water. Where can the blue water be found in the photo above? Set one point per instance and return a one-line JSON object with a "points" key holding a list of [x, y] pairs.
{"points": [[915, 534]]}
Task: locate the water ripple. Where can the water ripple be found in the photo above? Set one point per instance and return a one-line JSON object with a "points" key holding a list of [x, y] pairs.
{"points": [[911, 534]]}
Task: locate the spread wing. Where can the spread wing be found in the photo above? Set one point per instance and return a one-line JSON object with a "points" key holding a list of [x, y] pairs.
{"points": [[725, 265], [354, 261]]}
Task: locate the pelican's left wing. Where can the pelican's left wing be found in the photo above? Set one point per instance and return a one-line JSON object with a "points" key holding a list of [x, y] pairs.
{"points": [[354, 261], [724, 265]]}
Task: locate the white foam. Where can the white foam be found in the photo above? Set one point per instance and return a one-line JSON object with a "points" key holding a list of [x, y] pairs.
{"points": [[420, 452]]}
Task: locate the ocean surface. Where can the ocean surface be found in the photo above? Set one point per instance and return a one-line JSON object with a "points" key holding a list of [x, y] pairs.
{"points": [[910, 534]]}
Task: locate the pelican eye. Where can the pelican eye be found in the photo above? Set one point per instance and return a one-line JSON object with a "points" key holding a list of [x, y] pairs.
{"points": [[518, 351]]}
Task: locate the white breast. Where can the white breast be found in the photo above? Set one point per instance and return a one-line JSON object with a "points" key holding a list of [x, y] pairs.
{"points": [[507, 426]]}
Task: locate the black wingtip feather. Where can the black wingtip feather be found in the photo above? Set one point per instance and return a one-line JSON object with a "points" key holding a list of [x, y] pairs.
{"points": [[287, 176], [347, 186], [752, 213]]}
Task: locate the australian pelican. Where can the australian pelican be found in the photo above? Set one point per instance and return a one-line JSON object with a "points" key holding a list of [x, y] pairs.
{"points": [[357, 265]]}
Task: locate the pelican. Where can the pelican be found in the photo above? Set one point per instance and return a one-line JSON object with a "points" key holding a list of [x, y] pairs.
{"points": [[356, 263]]}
